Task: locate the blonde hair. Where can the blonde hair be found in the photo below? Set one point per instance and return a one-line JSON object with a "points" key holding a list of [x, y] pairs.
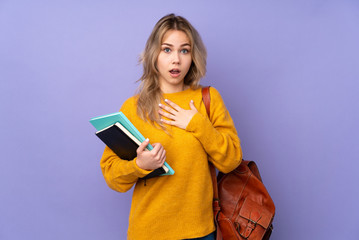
{"points": [[149, 92]]}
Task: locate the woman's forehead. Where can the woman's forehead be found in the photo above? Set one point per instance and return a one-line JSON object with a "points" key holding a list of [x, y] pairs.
{"points": [[175, 37]]}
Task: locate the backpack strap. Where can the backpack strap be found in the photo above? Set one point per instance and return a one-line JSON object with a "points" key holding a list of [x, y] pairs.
{"points": [[206, 98]]}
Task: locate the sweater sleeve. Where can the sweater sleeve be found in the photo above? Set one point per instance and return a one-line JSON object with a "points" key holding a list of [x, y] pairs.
{"points": [[217, 134], [121, 175]]}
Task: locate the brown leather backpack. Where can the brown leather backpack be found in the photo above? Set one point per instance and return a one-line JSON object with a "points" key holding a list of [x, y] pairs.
{"points": [[243, 208]]}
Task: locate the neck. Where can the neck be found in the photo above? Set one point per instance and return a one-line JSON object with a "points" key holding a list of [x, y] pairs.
{"points": [[174, 89]]}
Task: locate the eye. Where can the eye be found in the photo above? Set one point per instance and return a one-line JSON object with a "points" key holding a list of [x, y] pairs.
{"points": [[184, 51], [167, 50]]}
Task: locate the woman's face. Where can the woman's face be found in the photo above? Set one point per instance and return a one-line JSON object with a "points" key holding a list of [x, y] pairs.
{"points": [[174, 61]]}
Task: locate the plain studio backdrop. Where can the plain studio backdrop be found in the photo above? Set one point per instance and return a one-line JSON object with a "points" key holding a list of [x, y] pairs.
{"points": [[288, 72]]}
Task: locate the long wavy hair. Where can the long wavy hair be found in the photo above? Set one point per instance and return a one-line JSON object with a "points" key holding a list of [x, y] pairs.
{"points": [[149, 92]]}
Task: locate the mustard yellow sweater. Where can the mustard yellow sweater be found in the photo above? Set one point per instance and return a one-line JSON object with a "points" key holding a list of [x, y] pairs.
{"points": [[177, 206]]}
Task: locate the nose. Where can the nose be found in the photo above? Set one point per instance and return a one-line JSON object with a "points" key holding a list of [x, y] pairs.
{"points": [[175, 57]]}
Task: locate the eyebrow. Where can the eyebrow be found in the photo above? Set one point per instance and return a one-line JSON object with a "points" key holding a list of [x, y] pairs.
{"points": [[183, 45]]}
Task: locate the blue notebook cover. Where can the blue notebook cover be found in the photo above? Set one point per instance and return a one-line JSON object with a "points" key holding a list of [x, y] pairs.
{"points": [[104, 121]]}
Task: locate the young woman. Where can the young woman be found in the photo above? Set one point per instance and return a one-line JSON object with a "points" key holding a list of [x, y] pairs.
{"points": [[169, 111]]}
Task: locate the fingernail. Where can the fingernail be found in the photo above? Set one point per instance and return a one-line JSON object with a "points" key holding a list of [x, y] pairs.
{"points": [[166, 100], [147, 140], [191, 101], [160, 105]]}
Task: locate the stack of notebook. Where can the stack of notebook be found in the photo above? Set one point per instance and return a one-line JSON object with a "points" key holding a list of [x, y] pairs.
{"points": [[122, 137]]}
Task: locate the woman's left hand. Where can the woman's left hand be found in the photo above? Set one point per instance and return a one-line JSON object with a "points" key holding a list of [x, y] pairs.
{"points": [[176, 115]]}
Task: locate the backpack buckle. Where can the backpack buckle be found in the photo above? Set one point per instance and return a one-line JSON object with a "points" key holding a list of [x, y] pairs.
{"points": [[251, 225]]}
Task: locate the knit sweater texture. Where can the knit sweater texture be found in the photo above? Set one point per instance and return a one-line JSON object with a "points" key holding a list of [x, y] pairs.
{"points": [[177, 206]]}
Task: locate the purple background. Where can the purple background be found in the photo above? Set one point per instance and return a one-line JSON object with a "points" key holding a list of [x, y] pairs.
{"points": [[287, 70]]}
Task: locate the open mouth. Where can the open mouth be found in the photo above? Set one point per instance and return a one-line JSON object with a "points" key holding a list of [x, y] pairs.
{"points": [[175, 71]]}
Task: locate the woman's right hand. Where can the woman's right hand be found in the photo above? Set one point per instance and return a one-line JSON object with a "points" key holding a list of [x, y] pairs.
{"points": [[150, 160]]}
